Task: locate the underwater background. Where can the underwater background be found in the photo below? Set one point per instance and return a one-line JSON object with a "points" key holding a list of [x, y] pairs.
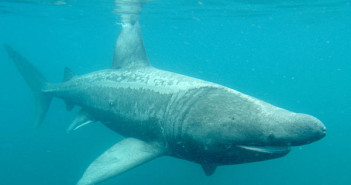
{"points": [[293, 54]]}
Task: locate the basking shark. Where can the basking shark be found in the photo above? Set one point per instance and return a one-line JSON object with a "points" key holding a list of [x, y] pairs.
{"points": [[161, 113]]}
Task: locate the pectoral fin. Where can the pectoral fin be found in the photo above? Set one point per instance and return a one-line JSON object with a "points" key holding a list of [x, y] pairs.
{"points": [[121, 157]]}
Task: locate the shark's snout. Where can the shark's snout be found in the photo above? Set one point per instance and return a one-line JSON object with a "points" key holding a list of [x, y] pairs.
{"points": [[306, 129], [323, 131], [295, 129]]}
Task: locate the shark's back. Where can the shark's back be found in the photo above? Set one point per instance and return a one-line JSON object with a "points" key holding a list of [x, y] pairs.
{"points": [[121, 98]]}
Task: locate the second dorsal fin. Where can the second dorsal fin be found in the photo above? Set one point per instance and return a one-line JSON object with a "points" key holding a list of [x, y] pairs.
{"points": [[68, 74], [130, 50]]}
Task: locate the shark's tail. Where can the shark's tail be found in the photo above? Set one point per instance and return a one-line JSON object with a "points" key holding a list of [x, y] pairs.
{"points": [[36, 82]]}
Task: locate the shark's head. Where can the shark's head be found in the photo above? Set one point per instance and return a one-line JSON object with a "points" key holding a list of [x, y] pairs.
{"points": [[274, 130], [247, 129], [294, 129], [276, 133]]}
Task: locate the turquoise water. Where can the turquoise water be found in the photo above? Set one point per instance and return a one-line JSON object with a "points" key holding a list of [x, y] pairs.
{"points": [[294, 54]]}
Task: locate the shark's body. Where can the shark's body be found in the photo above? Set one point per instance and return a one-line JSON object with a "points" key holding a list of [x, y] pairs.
{"points": [[159, 102], [164, 113]]}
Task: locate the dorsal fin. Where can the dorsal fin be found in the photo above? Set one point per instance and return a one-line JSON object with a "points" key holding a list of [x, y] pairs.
{"points": [[68, 74], [130, 50]]}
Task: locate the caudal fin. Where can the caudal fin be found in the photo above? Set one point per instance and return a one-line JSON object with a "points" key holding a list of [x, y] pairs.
{"points": [[36, 82]]}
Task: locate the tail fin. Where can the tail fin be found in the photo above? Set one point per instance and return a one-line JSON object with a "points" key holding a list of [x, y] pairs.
{"points": [[36, 82]]}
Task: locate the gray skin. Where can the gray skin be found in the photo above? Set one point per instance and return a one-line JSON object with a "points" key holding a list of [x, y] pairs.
{"points": [[164, 113], [192, 119]]}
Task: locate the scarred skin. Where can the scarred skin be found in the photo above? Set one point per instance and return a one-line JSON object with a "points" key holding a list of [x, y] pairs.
{"points": [[192, 119]]}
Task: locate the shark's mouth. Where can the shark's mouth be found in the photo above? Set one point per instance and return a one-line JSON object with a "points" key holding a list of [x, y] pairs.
{"points": [[267, 149]]}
